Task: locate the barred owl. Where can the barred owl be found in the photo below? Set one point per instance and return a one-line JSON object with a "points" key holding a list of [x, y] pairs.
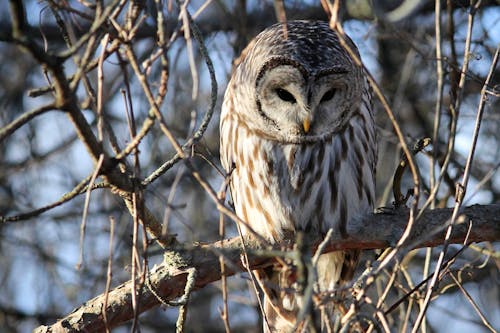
{"points": [[298, 141]]}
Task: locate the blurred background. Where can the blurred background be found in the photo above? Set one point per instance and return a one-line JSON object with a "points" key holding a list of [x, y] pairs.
{"points": [[55, 260]]}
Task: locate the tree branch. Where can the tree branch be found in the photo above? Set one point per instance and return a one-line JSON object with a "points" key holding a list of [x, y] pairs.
{"points": [[167, 282]]}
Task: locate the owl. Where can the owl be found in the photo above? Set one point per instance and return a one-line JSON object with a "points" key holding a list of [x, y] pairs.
{"points": [[297, 138]]}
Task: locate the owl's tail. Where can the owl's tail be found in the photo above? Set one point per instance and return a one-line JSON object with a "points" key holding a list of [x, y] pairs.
{"points": [[282, 302]]}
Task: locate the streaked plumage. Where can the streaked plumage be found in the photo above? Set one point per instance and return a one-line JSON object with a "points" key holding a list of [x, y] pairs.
{"points": [[298, 136]]}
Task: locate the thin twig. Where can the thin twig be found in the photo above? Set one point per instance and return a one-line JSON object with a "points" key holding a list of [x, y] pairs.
{"points": [[81, 188], [416, 288], [115, 7], [86, 208], [207, 116], [189, 44], [474, 305], [7, 130], [439, 97], [100, 80], [322, 246], [109, 274], [222, 234]]}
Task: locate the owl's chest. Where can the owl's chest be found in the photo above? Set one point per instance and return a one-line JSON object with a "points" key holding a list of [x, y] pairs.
{"points": [[295, 168], [288, 184], [277, 187]]}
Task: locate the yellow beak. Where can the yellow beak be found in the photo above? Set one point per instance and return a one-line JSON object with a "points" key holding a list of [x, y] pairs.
{"points": [[306, 125]]}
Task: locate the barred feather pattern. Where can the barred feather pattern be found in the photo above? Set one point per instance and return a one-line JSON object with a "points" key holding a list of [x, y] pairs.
{"points": [[280, 187]]}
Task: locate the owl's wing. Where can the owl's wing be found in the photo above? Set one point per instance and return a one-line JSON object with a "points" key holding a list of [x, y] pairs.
{"points": [[227, 124]]}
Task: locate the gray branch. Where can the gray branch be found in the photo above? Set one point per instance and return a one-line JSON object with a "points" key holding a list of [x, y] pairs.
{"points": [[167, 282]]}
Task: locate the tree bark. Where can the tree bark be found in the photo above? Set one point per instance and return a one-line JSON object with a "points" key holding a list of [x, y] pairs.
{"points": [[167, 282]]}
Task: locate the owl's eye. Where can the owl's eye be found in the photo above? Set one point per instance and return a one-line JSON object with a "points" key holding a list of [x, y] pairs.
{"points": [[285, 95], [328, 95]]}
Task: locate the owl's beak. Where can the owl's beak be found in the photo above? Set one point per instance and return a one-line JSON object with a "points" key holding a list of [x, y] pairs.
{"points": [[306, 124]]}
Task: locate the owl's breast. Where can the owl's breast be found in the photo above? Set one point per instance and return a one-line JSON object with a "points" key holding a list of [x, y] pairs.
{"points": [[316, 186]]}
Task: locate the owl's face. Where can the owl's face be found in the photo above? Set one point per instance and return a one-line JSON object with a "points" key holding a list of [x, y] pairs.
{"points": [[305, 87], [298, 106]]}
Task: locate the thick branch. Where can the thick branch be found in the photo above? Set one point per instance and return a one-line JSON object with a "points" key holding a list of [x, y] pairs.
{"points": [[476, 224]]}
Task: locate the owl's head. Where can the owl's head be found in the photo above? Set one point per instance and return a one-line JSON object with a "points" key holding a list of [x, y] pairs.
{"points": [[303, 85]]}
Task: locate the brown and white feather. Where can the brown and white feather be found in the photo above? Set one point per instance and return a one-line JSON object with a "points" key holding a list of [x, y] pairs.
{"points": [[284, 178]]}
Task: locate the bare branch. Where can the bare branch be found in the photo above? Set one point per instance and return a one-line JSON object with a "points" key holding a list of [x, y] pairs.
{"points": [[6, 131], [167, 281]]}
